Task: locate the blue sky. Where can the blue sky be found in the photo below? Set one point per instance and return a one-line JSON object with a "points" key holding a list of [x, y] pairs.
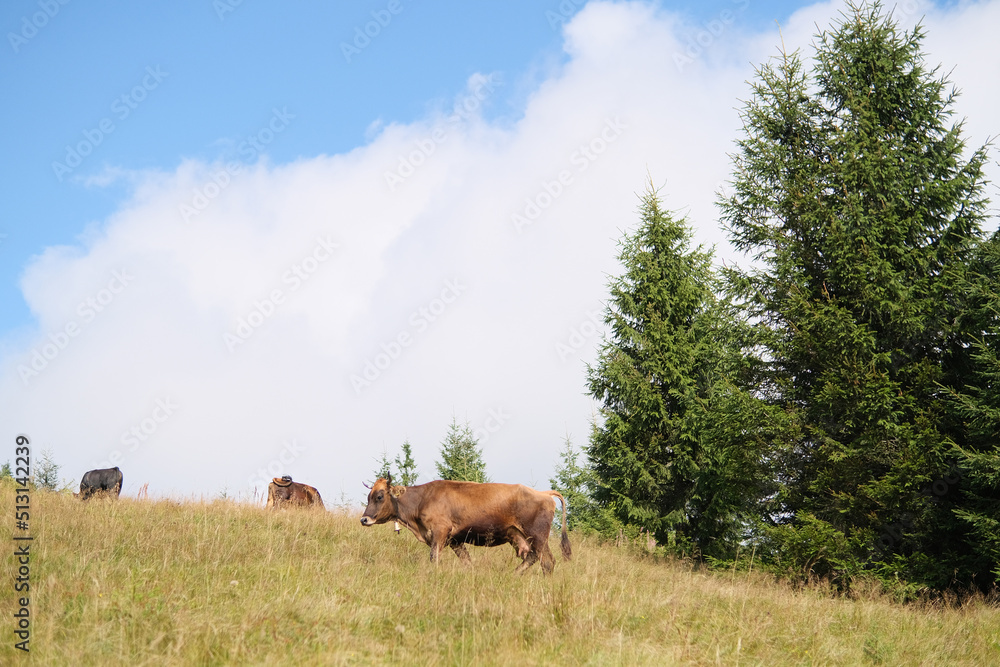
{"points": [[487, 104], [224, 68]]}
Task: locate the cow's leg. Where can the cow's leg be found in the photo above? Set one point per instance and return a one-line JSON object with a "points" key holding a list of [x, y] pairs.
{"points": [[548, 561], [461, 552], [527, 552], [529, 560], [539, 550], [438, 540]]}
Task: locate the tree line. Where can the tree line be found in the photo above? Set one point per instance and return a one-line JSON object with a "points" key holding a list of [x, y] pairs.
{"points": [[45, 475], [461, 459], [832, 409]]}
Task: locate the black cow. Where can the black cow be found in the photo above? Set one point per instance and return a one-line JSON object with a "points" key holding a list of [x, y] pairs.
{"points": [[105, 480]]}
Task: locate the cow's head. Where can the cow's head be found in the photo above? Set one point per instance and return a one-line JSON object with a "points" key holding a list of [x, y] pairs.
{"points": [[381, 502]]}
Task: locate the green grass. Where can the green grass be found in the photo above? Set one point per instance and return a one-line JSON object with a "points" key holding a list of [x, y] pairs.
{"points": [[221, 583]]}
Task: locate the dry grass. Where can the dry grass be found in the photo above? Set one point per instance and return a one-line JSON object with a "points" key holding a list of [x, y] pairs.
{"points": [[142, 582]]}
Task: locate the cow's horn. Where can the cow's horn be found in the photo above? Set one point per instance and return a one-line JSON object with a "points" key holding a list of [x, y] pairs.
{"points": [[366, 486]]}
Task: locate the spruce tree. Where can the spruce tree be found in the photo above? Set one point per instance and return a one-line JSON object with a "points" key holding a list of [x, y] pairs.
{"points": [[852, 195], [972, 492], [664, 456], [383, 467], [461, 456], [407, 466], [47, 472], [577, 483]]}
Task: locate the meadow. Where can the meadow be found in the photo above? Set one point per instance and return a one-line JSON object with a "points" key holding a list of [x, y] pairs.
{"points": [[167, 582]]}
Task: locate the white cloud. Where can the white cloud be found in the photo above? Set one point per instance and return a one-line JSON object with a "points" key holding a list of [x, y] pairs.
{"points": [[466, 312]]}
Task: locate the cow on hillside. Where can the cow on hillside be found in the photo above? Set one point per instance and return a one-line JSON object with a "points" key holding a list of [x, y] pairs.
{"points": [[104, 481], [446, 513], [283, 491]]}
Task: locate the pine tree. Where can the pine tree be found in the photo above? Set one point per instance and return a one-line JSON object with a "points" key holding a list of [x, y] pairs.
{"points": [[662, 378], [47, 473], [852, 195], [577, 484], [5, 470], [383, 469], [407, 466], [976, 407], [461, 456]]}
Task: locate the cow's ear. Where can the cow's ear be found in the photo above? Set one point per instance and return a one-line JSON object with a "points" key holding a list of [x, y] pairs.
{"points": [[396, 491]]}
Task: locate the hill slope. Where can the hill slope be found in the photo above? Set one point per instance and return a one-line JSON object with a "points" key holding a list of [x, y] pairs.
{"points": [[167, 583]]}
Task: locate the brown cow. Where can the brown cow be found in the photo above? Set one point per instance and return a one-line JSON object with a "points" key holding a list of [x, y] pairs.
{"points": [[283, 491], [445, 513]]}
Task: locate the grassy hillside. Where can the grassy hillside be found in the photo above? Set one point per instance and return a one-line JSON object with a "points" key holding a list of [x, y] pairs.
{"points": [[166, 583]]}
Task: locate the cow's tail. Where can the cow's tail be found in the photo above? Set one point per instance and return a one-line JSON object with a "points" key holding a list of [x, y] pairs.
{"points": [[567, 550]]}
